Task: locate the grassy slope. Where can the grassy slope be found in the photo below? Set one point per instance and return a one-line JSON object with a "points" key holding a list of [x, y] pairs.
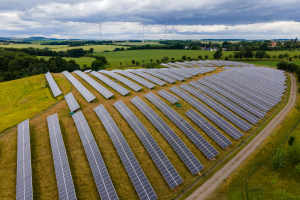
{"points": [[260, 185], [23, 98], [42, 163]]}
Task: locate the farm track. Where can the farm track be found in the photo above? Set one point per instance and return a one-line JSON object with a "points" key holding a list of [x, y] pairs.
{"points": [[212, 183]]}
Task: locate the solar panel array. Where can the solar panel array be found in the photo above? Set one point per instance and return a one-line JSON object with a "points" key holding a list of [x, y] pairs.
{"points": [[238, 110], [72, 103], [158, 75], [217, 107], [149, 77], [181, 149], [54, 87], [174, 76], [62, 169], [24, 172], [103, 182], [169, 97], [123, 91], [223, 124], [252, 109], [209, 129], [81, 89], [177, 72], [160, 159], [207, 149], [127, 82], [102, 90], [136, 78], [134, 170]]}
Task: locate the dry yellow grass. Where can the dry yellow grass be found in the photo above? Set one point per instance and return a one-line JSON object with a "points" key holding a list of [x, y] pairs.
{"points": [[42, 163]]}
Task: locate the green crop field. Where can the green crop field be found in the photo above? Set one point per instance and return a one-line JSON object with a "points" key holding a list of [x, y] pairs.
{"points": [[23, 98], [44, 181]]}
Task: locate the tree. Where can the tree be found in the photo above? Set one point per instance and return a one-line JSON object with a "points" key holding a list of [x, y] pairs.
{"points": [[236, 54], [291, 140], [218, 54], [268, 56], [91, 50], [199, 57], [280, 56], [102, 59], [120, 63], [206, 57], [183, 57], [290, 58], [274, 57], [295, 56], [157, 61], [97, 65], [151, 60], [278, 160], [137, 63], [294, 152], [230, 56], [260, 54], [226, 58], [143, 61], [297, 168], [189, 58], [133, 62], [172, 58], [286, 55], [248, 52]]}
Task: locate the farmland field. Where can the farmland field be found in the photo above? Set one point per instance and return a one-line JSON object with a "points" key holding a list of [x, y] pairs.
{"points": [[44, 183]]}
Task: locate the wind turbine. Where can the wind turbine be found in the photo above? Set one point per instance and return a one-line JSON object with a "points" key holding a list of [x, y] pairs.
{"points": [[143, 28], [166, 30], [100, 27], [172, 31]]}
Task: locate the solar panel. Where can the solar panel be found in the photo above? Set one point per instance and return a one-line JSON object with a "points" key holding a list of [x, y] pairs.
{"points": [[161, 76], [136, 78], [209, 129], [177, 72], [149, 77], [24, 172], [235, 108], [206, 148], [223, 124], [81, 89], [134, 170], [123, 91], [169, 97], [103, 182], [176, 65], [54, 87], [102, 90], [217, 107], [127, 82], [181, 149], [160, 159], [234, 98], [72, 103], [174, 76], [62, 169]]}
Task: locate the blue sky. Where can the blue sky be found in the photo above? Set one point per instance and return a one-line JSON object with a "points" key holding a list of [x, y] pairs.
{"points": [[190, 19]]}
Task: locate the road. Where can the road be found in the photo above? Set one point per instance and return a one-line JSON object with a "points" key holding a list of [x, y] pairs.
{"points": [[211, 184]]}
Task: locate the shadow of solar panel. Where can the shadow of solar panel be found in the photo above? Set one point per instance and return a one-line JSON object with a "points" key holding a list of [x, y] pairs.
{"points": [[62, 169], [161, 76], [133, 168], [102, 90], [160, 159], [181, 149], [209, 129], [217, 107], [127, 82], [24, 171], [228, 128], [103, 182], [149, 77], [123, 91], [71, 101], [235, 108], [54, 87], [141, 81], [259, 113], [169, 97], [81, 89], [207, 149]]}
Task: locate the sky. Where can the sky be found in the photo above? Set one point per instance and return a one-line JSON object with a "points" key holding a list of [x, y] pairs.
{"points": [[186, 19]]}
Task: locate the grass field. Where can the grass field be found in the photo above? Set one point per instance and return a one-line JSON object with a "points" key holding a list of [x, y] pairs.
{"points": [[97, 48], [266, 183], [81, 61], [44, 182], [136, 43], [23, 98]]}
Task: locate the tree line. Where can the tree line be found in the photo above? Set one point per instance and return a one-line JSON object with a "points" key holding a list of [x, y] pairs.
{"points": [[78, 43], [17, 64]]}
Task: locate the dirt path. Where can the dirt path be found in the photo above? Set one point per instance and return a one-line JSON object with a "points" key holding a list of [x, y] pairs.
{"points": [[211, 184]]}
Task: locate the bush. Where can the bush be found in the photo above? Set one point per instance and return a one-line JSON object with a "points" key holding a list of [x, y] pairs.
{"points": [[290, 58], [183, 57], [297, 168], [291, 141], [294, 152], [278, 160], [226, 58]]}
